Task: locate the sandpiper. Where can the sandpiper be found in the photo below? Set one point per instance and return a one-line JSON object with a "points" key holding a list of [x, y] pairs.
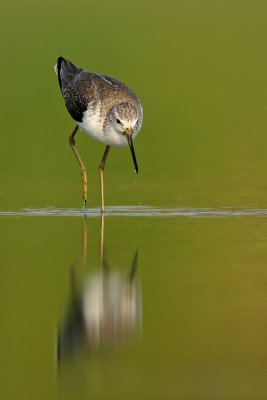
{"points": [[104, 108]]}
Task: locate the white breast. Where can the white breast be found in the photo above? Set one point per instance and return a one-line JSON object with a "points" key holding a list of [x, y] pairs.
{"points": [[92, 124]]}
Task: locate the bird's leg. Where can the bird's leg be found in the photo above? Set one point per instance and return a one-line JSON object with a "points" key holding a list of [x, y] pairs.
{"points": [[83, 169], [101, 173], [102, 226]]}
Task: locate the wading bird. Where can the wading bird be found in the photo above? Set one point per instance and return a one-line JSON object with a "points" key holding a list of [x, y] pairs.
{"points": [[104, 108]]}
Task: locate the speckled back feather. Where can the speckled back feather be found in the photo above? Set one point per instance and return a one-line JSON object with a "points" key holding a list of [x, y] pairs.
{"points": [[81, 88]]}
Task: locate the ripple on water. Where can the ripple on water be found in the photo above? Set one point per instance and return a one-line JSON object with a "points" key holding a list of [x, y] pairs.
{"points": [[139, 211]]}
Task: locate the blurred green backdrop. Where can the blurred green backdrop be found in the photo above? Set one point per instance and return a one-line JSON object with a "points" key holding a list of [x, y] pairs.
{"points": [[199, 68]]}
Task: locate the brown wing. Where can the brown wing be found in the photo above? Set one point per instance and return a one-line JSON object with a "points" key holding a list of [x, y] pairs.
{"points": [[79, 88], [79, 94], [76, 87]]}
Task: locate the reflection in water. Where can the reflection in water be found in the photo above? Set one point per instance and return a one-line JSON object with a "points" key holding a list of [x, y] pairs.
{"points": [[105, 311]]}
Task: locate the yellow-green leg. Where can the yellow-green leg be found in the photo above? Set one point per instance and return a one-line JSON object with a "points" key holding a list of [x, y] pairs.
{"points": [[83, 169], [101, 173]]}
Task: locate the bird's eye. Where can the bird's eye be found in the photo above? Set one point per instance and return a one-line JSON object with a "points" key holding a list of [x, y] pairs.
{"points": [[118, 121]]}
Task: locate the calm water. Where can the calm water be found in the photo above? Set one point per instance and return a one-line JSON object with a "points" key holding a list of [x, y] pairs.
{"points": [[166, 298], [194, 319]]}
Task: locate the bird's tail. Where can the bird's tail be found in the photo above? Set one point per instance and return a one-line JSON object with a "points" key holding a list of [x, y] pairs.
{"points": [[65, 71]]}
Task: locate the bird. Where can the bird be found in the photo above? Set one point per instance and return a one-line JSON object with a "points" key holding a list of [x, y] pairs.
{"points": [[104, 108]]}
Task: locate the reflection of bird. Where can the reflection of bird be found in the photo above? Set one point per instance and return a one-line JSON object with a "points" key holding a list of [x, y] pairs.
{"points": [[104, 108], [103, 313]]}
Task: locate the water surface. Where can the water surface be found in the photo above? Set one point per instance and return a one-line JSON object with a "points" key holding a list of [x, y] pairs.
{"points": [[202, 290], [175, 286]]}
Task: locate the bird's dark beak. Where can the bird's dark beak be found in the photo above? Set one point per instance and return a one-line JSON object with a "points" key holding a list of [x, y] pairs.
{"points": [[130, 141]]}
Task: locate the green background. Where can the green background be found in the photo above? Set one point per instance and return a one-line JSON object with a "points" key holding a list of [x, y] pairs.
{"points": [[199, 69]]}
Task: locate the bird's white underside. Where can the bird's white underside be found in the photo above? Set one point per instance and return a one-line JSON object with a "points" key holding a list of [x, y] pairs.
{"points": [[92, 124]]}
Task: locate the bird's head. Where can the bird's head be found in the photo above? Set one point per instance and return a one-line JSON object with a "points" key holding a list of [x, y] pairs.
{"points": [[126, 119]]}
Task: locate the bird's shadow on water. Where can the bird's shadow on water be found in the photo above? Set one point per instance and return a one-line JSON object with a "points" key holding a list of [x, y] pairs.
{"points": [[104, 309]]}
